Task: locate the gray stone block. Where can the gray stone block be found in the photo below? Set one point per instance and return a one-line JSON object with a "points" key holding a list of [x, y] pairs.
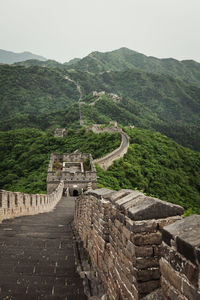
{"points": [[152, 208], [186, 232], [99, 193]]}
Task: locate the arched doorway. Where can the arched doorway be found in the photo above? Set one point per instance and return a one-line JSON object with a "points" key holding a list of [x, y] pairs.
{"points": [[75, 193]]}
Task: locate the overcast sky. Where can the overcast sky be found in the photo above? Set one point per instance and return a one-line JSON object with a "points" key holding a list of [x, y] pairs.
{"points": [[64, 29]]}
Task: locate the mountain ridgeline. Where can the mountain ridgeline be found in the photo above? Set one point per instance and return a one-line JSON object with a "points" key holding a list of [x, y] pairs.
{"points": [[158, 94], [161, 95], [125, 59], [8, 57]]}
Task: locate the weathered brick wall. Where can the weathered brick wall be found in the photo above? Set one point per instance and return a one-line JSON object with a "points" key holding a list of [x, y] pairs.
{"points": [[122, 233], [15, 204], [180, 262]]}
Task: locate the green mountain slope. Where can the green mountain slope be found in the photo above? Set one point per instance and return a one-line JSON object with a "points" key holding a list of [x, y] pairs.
{"points": [[41, 97], [154, 163], [171, 99], [8, 57], [25, 154], [159, 167], [124, 59], [33, 90]]}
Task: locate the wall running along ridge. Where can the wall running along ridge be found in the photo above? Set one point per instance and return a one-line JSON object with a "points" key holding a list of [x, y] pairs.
{"points": [[15, 204], [122, 232], [106, 161]]}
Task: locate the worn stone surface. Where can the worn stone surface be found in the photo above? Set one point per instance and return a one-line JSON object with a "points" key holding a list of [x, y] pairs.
{"points": [[186, 233], [187, 228], [126, 247], [120, 203], [37, 256], [156, 295], [118, 195], [100, 192], [171, 275], [151, 208]]}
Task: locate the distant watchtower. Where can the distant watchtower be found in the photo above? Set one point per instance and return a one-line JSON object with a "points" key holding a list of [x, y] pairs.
{"points": [[77, 170], [60, 132]]}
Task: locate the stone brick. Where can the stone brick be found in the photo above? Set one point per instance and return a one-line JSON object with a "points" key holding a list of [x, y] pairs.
{"points": [[131, 248], [147, 287], [186, 249], [152, 208], [142, 251], [118, 224], [170, 274], [146, 262], [141, 226], [127, 199], [164, 222], [117, 195], [167, 237], [147, 239], [148, 274], [181, 265], [169, 293], [121, 217], [126, 232], [190, 292], [157, 250]]}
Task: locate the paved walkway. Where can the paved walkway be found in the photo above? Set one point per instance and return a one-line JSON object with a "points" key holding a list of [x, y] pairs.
{"points": [[37, 257]]}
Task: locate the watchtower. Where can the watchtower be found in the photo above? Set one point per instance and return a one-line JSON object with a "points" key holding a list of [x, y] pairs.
{"points": [[77, 170]]}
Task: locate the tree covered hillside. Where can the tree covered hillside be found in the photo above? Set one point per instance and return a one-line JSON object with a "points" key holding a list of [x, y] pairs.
{"points": [[153, 164], [124, 59], [159, 167], [38, 95], [33, 90], [25, 154]]}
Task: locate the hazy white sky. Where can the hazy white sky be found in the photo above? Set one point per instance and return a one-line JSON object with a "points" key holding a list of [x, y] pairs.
{"points": [[64, 29]]}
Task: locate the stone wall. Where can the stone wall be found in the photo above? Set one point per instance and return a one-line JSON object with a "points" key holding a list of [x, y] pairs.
{"points": [[180, 263], [100, 128], [106, 161], [122, 233], [15, 204]]}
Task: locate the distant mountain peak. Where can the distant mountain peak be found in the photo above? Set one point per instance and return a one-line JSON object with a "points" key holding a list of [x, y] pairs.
{"points": [[9, 57]]}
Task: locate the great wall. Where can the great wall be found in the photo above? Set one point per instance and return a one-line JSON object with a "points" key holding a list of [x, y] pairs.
{"points": [[127, 245]]}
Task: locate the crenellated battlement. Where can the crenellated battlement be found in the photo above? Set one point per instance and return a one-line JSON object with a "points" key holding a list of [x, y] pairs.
{"points": [[15, 204], [134, 241]]}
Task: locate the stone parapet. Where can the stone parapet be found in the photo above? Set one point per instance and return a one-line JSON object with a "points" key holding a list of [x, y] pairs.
{"points": [[122, 233], [106, 161], [180, 263], [15, 204]]}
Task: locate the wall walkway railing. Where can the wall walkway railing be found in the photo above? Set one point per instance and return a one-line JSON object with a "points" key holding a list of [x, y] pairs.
{"points": [[16, 204]]}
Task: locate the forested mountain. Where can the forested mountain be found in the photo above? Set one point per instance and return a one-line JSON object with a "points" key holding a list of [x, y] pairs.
{"points": [[161, 95], [154, 163], [8, 57], [34, 90], [124, 59], [25, 154], [43, 97]]}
